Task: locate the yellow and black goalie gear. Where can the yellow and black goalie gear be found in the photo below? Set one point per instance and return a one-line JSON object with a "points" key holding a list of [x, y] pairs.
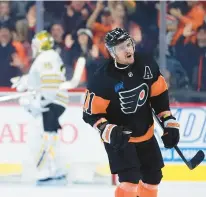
{"points": [[44, 41]]}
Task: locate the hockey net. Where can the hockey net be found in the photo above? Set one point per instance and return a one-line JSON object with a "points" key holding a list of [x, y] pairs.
{"points": [[81, 148]]}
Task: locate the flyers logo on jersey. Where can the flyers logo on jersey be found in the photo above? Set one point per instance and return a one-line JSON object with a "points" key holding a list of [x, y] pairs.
{"points": [[130, 100]]}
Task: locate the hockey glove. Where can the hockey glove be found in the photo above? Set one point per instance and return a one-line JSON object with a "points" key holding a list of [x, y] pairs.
{"points": [[33, 105], [171, 134], [117, 136], [20, 83]]}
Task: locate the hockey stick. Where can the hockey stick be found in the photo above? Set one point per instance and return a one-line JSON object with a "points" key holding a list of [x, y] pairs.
{"points": [[16, 96], [192, 163], [41, 159], [74, 82]]}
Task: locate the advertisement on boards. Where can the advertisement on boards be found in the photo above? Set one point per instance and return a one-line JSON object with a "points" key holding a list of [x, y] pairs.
{"points": [[20, 137]]}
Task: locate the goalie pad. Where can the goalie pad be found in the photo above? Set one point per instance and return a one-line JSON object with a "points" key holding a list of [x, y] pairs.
{"points": [[48, 161]]}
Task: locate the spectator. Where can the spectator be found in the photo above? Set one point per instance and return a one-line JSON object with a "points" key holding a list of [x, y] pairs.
{"points": [[21, 36], [75, 17], [82, 47], [57, 32], [10, 62], [196, 62], [31, 19], [195, 16], [199, 77], [99, 29], [142, 43], [84, 41], [145, 16], [5, 18], [171, 25], [174, 73], [18, 9], [119, 15], [55, 8], [120, 12]]}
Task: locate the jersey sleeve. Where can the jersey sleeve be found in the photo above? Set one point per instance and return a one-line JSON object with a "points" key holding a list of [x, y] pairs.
{"points": [[159, 91], [33, 76], [96, 102]]}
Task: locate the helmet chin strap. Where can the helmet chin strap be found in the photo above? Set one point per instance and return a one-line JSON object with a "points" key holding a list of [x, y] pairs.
{"points": [[121, 68], [112, 52]]}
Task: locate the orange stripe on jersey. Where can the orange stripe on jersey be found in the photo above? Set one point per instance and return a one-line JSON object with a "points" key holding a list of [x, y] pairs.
{"points": [[99, 105], [95, 104], [159, 86], [145, 137]]}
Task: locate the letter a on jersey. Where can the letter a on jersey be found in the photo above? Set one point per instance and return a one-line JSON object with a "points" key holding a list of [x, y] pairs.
{"points": [[130, 100], [147, 73]]}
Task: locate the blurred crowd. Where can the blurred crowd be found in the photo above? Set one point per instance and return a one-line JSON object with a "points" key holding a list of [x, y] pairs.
{"points": [[78, 28]]}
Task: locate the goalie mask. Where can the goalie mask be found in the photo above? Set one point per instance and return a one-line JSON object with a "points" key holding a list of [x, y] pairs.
{"points": [[42, 41], [120, 46]]}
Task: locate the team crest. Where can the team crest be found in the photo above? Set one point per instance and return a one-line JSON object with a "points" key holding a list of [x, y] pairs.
{"points": [[147, 73], [130, 100]]}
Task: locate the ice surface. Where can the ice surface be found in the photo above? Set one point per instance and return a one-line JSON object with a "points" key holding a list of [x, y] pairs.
{"points": [[166, 189]]}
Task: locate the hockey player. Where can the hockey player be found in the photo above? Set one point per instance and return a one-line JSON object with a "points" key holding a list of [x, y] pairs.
{"points": [[118, 104], [46, 74]]}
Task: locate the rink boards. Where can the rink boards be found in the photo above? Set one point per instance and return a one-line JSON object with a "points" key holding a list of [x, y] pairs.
{"points": [[81, 144]]}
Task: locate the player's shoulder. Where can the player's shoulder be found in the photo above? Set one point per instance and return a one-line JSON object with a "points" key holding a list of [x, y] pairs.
{"points": [[146, 59], [146, 63], [99, 80], [48, 55]]}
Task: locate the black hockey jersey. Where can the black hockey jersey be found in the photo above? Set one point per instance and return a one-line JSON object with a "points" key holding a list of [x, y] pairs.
{"points": [[125, 96]]}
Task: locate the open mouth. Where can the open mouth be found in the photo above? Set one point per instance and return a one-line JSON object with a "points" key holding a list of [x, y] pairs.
{"points": [[129, 56]]}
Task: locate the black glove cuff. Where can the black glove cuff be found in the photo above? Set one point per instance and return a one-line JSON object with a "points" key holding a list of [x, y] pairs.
{"points": [[167, 118]]}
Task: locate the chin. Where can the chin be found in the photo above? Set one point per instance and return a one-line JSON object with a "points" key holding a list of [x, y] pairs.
{"points": [[130, 61]]}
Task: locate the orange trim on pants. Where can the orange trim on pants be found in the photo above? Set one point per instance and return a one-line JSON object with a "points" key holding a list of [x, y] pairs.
{"points": [[145, 137]]}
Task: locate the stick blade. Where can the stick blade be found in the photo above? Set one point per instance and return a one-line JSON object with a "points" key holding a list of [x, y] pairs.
{"points": [[197, 159]]}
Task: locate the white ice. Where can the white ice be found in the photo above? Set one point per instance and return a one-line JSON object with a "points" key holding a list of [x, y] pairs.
{"points": [[166, 189]]}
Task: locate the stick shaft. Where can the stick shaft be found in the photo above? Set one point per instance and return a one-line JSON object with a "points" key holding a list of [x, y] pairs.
{"points": [[15, 96], [175, 147]]}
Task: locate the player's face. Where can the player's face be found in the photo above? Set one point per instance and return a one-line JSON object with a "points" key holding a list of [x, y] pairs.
{"points": [[124, 52]]}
